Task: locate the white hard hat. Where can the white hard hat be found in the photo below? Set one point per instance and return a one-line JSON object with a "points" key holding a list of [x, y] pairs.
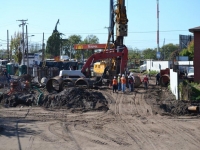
{"points": [[122, 75], [119, 74], [114, 77]]}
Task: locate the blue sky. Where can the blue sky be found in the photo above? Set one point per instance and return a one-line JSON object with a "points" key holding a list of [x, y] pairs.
{"points": [[86, 17]]}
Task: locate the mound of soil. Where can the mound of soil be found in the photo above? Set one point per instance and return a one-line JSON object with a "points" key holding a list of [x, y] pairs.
{"points": [[168, 105], [76, 98], [18, 99]]}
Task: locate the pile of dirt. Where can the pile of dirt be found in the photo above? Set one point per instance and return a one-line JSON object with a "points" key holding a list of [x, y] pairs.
{"points": [[18, 99], [76, 98], [169, 105], [175, 107]]}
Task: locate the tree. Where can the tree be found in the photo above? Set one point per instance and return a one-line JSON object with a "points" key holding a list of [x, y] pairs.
{"points": [[90, 39], [133, 54], [189, 51], [69, 44], [167, 49], [15, 47], [149, 53], [54, 44]]}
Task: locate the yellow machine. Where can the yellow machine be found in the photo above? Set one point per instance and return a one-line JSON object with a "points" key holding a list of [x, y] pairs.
{"points": [[99, 68]]}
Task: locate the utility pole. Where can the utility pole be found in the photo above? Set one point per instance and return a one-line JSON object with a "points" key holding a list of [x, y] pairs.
{"points": [[8, 43], [157, 25], [26, 52], [163, 50], [43, 48], [11, 52], [22, 24], [70, 51]]}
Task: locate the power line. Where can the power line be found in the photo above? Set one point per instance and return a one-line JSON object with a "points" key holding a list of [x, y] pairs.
{"points": [[128, 32]]}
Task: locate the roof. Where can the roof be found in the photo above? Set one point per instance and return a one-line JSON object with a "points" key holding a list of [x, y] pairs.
{"points": [[195, 29]]}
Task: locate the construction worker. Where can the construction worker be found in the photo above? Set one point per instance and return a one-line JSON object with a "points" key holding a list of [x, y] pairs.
{"points": [[146, 82], [157, 78], [119, 82], [123, 83], [114, 83], [131, 82]]}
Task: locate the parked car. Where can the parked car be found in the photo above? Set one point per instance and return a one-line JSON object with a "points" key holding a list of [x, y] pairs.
{"points": [[190, 75]]}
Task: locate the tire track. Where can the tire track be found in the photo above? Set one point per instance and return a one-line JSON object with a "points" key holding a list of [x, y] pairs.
{"points": [[102, 136], [180, 132], [136, 104]]}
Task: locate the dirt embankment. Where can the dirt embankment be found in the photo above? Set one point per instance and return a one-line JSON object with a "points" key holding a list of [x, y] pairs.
{"points": [[164, 102], [160, 99], [132, 121]]}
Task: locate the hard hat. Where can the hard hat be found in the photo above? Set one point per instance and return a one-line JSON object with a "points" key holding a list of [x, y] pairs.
{"points": [[122, 75], [119, 74], [129, 77], [114, 77]]}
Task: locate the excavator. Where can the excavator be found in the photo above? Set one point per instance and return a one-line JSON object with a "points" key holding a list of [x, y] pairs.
{"points": [[109, 63]]}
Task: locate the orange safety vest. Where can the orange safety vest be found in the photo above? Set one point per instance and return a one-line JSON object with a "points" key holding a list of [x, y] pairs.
{"points": [[123, 80], [114, 81]]}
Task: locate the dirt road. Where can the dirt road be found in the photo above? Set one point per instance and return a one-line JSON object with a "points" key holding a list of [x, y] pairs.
{"points": [[133, 121]]}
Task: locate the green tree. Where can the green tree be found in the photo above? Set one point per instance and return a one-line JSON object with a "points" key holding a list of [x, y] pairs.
{"points": [[149, 53], [69, 44], [14, 47], [167, 50], [90, 39], [54, 44], [189, 51], [133, 54]]}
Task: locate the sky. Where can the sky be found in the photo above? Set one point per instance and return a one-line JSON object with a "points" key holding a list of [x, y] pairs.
{"points": [[91, 17]]}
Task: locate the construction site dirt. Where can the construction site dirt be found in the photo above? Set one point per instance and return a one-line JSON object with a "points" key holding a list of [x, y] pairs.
{"points": [[77, 119]]}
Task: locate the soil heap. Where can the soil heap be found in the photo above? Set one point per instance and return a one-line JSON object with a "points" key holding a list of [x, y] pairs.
{"points": [[76, 98]]}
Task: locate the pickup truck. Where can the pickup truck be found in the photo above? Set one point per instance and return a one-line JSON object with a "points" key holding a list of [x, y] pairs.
{"points": [[190, 74]]}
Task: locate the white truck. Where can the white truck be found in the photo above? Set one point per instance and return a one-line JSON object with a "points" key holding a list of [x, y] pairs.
{"points": [[143, 67]]}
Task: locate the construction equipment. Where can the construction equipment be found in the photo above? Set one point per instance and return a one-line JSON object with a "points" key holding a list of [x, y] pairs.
{"points": [[110, 62], [164, 77]]}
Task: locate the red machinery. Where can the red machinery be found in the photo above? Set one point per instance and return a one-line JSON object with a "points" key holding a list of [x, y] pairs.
{"points": [[116, 57], [164, 77]]}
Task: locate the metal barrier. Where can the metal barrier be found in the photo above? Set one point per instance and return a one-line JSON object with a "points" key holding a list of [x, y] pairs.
{"points": [[41, 72]]}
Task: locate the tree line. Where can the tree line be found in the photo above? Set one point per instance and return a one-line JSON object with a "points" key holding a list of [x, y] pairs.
{"points": [[57, 45]]}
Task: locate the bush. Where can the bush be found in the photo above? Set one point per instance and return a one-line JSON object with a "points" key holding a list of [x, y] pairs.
{"points": [[195, 94], [189, 90], [134, 70]]}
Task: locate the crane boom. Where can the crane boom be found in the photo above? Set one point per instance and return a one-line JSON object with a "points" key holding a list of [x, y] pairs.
{"points": [[121, 21]]}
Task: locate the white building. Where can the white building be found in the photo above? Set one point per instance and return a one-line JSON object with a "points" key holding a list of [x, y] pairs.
{"points": [[33, 59]]}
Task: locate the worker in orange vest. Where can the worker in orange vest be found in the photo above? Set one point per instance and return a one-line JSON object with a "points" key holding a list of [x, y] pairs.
{"points": [[114, 83], [123, 81]]}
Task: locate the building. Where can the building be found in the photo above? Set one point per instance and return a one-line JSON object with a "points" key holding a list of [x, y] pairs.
{"points": [[196, 32]]}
